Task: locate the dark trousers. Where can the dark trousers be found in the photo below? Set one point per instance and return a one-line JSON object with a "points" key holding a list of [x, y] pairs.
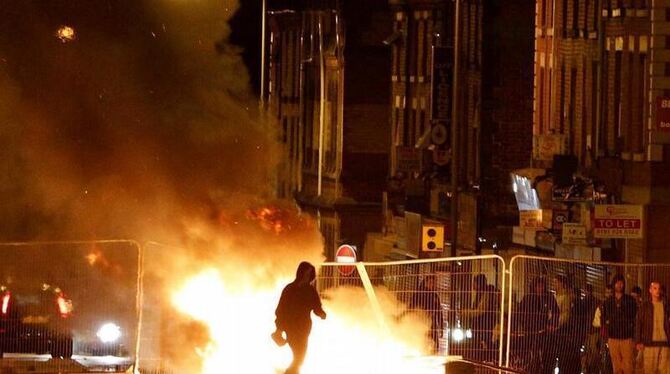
{"points": [[297, 341], [565, 348]]}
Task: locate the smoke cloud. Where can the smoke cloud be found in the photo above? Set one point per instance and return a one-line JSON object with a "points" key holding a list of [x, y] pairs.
{"points": [[141, 125], [142, 120]]}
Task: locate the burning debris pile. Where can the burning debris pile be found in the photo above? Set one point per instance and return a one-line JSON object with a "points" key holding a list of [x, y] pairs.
{"points": [[66, 34]]}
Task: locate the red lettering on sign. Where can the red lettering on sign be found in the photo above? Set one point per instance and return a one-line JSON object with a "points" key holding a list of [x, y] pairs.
{"points": [[618, 223]]}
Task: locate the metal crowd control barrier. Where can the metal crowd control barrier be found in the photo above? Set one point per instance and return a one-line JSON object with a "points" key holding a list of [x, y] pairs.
{"points": [[553, 308], [69, 306], [461, 296], [92, 306], [156, 351]]}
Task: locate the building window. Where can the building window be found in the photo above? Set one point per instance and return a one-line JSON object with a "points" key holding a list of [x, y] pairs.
{"points": [[397, 136], [617, 91], [540, 97], [564, 16], [594, 102], [333, 114], [412, 46], [575, 17], [410, 136], [642, 98], [561, 109], [597, 14], [549, 98], [421, 47], [308, 116], [571, 109]]}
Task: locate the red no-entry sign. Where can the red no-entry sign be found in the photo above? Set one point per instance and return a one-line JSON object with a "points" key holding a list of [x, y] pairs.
{"points": [[346, 254]]}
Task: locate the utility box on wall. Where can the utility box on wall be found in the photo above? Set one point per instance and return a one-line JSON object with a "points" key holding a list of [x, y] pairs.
{"points": [[432, 238]]}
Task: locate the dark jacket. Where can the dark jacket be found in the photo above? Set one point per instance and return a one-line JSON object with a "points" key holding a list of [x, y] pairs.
{"points": [[618, 317], [537, 312], [429, 301], [585, 309], [644, 324], [485, 310], [296, 303]]}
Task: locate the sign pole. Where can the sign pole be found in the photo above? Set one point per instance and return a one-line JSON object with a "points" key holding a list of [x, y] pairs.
{"points": [[454, 132]]}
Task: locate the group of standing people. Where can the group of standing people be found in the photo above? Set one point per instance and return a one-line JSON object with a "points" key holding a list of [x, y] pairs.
{"points": [[636, 328], [625, 329], [479, 316]]}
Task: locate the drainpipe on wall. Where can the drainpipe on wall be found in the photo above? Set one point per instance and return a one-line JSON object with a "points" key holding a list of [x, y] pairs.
{"points": [[322, 104], [263, 10]]}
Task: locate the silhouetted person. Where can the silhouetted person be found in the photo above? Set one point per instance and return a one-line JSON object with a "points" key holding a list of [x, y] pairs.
{"points": [[538, 315], [483, 315], [428, 300], [565, 338], [591, 325], [538, 310], [298, 299], [636, 293]]}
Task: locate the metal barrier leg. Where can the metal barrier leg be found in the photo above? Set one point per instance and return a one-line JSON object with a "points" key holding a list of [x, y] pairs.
{"points": [[369, 290]]}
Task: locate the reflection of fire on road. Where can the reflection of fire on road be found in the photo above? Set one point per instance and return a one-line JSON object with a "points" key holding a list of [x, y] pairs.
{"points": [[240, 318]]}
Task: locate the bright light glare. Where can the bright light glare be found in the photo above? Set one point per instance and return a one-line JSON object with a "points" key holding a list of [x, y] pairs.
{"points": [[5, 303], [64, 306], [458, 335], [109, 333]]}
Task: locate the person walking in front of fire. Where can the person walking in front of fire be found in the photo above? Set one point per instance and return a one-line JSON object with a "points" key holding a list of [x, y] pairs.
{"points": [[652, 330], [298, 299]]}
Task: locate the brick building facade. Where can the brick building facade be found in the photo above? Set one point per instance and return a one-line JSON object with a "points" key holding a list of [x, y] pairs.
{"points": [[600, 69], [327, 88], [507, 98], [420, 151]]}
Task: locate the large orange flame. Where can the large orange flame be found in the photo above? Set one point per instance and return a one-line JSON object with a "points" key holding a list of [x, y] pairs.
{"points": [[240, 319]]}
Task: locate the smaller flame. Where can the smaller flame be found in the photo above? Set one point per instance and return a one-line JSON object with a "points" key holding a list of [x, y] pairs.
{"points": [[270, 218], [64, 306], [92, 258], [5, 302], [97, 258], [66, 34]]}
